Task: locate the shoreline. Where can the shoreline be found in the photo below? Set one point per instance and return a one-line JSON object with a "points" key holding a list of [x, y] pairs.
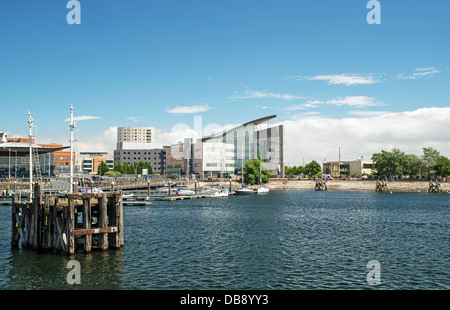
{"points": [[354, 185]]}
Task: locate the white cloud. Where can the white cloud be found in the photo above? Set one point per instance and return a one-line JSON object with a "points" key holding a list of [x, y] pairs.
{"points": [[103, 142], [318, 137], [368, 113], [82, 118], [188, 109], [355, 101], [135, 119], [255, 94], [419, 73], [263, 107], [352, 101], [346, 79]]}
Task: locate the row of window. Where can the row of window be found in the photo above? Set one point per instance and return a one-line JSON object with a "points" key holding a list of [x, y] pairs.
{"points": [[145, 158], [144, 153]]}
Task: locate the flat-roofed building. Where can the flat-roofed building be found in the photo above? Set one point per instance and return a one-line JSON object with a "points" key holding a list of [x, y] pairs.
{"points": [[134, 152], [357, 167], [14, 157], [90, 161]]}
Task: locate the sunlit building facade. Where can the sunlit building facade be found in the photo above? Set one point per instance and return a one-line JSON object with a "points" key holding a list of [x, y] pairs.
{"points": [[226, 153]]}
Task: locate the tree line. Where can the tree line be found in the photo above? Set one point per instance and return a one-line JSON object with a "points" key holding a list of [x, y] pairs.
{"points": [[312, 168], [396, 162], [126, 168]]}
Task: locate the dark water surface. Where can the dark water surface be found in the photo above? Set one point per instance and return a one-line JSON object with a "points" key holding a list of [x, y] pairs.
{"points": [[284, 240]]}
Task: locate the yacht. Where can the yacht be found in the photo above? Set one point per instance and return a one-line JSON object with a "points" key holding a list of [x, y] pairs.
{"points": [[244, 191], [262, 190], [183, 192], [221, 193]]}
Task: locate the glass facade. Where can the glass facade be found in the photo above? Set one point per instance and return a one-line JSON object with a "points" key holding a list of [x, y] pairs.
{"points": [[227, 153]]}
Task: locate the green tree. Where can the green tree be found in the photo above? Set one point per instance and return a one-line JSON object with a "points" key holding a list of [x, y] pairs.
{"points": [[391, 163], [442, 166], [102, 168], [143, 165], [119, 168], [313, 168], [413, 164], [429, 159], [252, 173], [294, 170]]}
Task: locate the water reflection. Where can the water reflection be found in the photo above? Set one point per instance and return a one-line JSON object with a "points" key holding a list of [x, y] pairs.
{"points": [[31, 270], [282, 240]]}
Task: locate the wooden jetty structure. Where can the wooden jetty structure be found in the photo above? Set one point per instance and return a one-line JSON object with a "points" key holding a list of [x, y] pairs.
{"points": [[63, 225], [136, 201], [381, 186], [321, 185], [434, 188], [176, 197]]}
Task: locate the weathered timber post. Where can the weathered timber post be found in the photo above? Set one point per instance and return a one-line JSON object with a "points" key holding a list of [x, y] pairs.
{"points": [[71, 223], [14, 224], [114, 215], [36, 206], [102, 220], [87, 222]]}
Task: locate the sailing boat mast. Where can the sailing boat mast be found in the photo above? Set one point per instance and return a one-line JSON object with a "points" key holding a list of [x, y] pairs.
{"points": [[72, 126], [30, 126]]}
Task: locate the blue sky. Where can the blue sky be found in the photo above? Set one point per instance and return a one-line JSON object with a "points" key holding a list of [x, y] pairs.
{"points": [[148, 63]]}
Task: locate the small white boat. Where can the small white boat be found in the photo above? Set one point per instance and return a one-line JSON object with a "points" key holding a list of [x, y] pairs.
{"points": [[183, 192], [262, 190], [244, 191], [94, 190], [220, 193]]}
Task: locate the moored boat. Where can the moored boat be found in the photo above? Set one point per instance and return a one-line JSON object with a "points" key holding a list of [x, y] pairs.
{"points": [[244, 191], [262, 190]]}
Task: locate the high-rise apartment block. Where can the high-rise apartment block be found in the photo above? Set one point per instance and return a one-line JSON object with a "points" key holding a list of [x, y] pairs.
{"points": [[136, 134]]}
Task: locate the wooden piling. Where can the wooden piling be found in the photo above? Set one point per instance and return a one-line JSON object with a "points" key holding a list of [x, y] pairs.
{"points": [[87, 222], [321, 185], [51, 224], [434, 188], [381, 186]]}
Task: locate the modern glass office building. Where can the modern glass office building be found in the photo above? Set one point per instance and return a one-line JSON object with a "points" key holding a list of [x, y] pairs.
{"points": [[227, 152]]}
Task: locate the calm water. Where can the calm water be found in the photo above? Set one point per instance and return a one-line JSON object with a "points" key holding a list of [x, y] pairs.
{"points": [[285, 240]]}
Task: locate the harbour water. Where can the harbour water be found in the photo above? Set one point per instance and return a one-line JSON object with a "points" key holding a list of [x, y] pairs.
{"points": [[283, 240]]}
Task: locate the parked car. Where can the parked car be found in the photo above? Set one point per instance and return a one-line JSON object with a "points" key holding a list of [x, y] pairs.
{"points": [[327, 177]]}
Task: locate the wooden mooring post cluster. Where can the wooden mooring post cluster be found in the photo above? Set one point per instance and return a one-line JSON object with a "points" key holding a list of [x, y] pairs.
{"points": [[321, 185], [434, 188], [64, 225], [381, 186]]}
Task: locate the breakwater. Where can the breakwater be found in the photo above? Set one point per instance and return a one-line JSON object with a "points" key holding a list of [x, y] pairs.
{"points": [[356, 185]]}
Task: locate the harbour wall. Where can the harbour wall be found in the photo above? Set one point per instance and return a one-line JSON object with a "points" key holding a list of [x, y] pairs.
{"points": [[356, 185]]}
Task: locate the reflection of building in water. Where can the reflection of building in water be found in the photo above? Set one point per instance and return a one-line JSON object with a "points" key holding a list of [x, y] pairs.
{"points": [[15, 152], [227, 152]]}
